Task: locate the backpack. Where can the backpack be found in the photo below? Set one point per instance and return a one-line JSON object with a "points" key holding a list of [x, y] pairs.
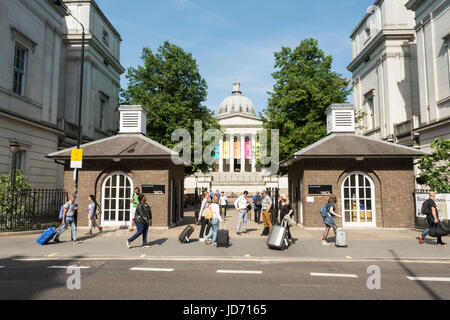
{"points": [[258, 201], [424, 209], [61, 212], [324, 211], [209, 214]]}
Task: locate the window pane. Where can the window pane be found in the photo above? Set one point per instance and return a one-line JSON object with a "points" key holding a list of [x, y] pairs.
{"points": [[352, 180], [346, 183], [121, 204], [369, 204], [114, 180], [369, 216], [113, 193], [113, 216], [360, 180], [361, 193], [107, 192], [121, 215], [346, 193], [346, 204], [368, 193], [121, 193]]}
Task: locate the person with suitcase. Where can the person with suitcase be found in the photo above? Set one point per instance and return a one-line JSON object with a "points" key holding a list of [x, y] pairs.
{"points": [[211, 238], [329, 219], [68, 219], [285, 213], [201, 216]]}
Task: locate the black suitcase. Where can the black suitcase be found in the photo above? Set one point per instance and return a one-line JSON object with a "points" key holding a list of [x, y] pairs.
{"points": [[187, 232], [223, 238]]}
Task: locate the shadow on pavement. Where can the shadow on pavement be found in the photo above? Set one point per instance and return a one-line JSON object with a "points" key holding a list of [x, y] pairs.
{"points": [[424, 286]]}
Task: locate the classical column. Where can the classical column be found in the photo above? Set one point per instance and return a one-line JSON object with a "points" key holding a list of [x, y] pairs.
{"points": [[231, 153], [242, 152], [221, 155], [253, 155]]}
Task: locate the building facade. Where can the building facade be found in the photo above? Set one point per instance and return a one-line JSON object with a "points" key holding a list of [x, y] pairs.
{"points": [[39, 81]]}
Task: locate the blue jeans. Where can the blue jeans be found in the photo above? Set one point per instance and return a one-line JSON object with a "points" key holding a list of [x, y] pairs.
{"points": [[242, 220], [213, 233], [73, 227], [430, 222], [142, 228]]}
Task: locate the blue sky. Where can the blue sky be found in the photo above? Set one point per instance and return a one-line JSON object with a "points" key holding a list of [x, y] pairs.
{"points": [[235, 39]]}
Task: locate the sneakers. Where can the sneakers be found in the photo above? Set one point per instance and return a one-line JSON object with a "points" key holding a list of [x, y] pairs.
{"points": [[420, 239], [201, 240], [325, 243], [442, 244], [128, 244], [238, 233]]}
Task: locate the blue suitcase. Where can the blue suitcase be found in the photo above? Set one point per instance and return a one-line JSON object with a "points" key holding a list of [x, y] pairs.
{"points": [[47, 235]]}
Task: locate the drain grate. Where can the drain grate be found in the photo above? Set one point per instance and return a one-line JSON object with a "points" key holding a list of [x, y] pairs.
{"points": [[86, 263]]}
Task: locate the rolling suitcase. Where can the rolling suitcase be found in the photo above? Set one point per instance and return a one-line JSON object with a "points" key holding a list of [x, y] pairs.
{"points": [[48, 235], [341, 238], [223, 236], [185, 234], [278, 237]]}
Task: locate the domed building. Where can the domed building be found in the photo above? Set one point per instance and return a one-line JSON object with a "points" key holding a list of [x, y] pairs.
{"points": [[235, 169]]}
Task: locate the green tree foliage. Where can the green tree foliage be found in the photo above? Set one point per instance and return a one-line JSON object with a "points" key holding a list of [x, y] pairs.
{"points": [[435, 167], [305, 86], [171, 89]]}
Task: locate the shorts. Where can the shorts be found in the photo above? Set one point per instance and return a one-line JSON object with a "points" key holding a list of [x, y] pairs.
{"points": [[132, 212]]}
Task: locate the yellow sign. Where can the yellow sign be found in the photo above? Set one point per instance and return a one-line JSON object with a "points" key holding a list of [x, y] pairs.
{"points": [[76, 159]]}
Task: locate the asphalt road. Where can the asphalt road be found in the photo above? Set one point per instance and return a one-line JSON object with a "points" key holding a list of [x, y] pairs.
{"points": [[220, 280]]}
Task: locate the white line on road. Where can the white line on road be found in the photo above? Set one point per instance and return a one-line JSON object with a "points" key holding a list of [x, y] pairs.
{"points": [[240, 271], [429, 279], [341, 275], [66, 267], [152, 269], [1, 267]]}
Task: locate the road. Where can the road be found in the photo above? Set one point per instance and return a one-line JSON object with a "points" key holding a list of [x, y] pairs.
{"points": [[34, 278]]}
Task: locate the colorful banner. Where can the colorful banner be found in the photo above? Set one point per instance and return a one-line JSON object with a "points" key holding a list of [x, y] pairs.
{"points": [[226, 150], [216, 151], [248, 150], [237, 150]]}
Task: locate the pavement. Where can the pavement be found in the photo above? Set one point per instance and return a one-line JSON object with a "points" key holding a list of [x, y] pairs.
{"points": [[248, 269]]}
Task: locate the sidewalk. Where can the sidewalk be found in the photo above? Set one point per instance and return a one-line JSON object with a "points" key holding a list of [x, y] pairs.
{"points": [[110, 244]]}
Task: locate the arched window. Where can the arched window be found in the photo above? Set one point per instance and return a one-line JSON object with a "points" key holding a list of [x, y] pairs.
{"points": [[358, 200], [116, 194]]}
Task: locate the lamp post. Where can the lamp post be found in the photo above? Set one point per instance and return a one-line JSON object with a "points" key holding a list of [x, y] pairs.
{"points": [[80, 99], [14, 147]]}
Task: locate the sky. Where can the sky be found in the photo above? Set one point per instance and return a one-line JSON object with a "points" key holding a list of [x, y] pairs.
{"points": [[233, 39]]}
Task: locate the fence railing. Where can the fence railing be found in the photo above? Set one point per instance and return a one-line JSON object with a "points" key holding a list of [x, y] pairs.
{"points": [[30, 210]]}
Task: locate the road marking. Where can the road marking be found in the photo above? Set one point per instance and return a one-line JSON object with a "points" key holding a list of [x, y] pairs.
{"points": [[152, 269], [67, 267], [348, 257], [429, 279], [1, 267], [300, 285], [341, 275], [240, 271], [52, 255], [142, 256], [247, 255]]}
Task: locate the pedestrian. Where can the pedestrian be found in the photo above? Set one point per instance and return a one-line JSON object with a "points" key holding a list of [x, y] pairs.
{"points": [[214, 222], [285, 213], [211, 195], [329, 219], [143, 220], [257, 201], [134, 203], [223, 203], [241, 204], [432, 214], [201, 216], [93, 211], [68, 219], [217, 194], [266, 206]]}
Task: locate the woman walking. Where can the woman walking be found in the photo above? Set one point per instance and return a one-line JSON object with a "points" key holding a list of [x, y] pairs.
{"points": [[214, 222], [285, 213], [201, 216], [143, 220], [93, 211], [134, 203], [329, 220]]}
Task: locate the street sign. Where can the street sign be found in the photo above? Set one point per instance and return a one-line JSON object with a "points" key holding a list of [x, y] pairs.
{"points": [[76, 159]]}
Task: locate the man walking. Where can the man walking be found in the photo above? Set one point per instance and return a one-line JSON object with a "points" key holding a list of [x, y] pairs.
{"points": [[257, 201], [266, 205], [68, 218], [432, 218], [241, 204]]}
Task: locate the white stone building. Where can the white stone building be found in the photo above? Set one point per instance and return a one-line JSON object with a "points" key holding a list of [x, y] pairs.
{"points": [[39, 80], [236, 165]]}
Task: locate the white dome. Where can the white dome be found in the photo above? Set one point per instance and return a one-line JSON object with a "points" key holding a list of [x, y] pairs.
{"points": [[237, 102]]}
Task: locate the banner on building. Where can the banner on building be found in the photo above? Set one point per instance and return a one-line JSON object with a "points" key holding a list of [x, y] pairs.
{"points": [[442, 203], [248, 149], [237, 150], [216, 151], [226, 150]]}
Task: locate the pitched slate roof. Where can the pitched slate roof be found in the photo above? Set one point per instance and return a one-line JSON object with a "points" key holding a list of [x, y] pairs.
{"points": [[132, 146], [341, 145]]}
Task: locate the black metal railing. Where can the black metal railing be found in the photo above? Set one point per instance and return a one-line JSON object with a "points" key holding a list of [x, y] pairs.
{"points": [[30, 210]]}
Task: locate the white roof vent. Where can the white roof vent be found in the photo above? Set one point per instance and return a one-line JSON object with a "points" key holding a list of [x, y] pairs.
{"points": [[340, 118], [133, 119]]}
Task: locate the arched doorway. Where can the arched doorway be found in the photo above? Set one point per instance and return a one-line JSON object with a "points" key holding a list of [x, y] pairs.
{"points": [[358, 201], [116, 194]]}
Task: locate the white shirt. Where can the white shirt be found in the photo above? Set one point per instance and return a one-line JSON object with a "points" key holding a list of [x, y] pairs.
{"points": [[241, 203], [223, 200], [216, 211]]}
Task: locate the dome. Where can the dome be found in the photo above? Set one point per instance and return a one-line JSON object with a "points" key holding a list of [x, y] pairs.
{"points": [[236, 102]]}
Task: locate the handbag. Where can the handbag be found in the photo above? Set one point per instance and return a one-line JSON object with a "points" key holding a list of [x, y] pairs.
{"points": [[439, 230]]}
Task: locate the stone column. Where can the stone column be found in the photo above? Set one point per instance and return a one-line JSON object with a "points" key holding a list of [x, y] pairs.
{"points": [[221, 155], [253, 157], [231, 153], [242, 152]]}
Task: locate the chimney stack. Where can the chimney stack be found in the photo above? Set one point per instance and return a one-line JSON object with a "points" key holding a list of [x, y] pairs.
{"points": [[133, 119], [340, 118]]}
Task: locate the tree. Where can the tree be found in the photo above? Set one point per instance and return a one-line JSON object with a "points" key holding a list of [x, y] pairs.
{"points": [[305, 86], [171, 89], [435, 167]]}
